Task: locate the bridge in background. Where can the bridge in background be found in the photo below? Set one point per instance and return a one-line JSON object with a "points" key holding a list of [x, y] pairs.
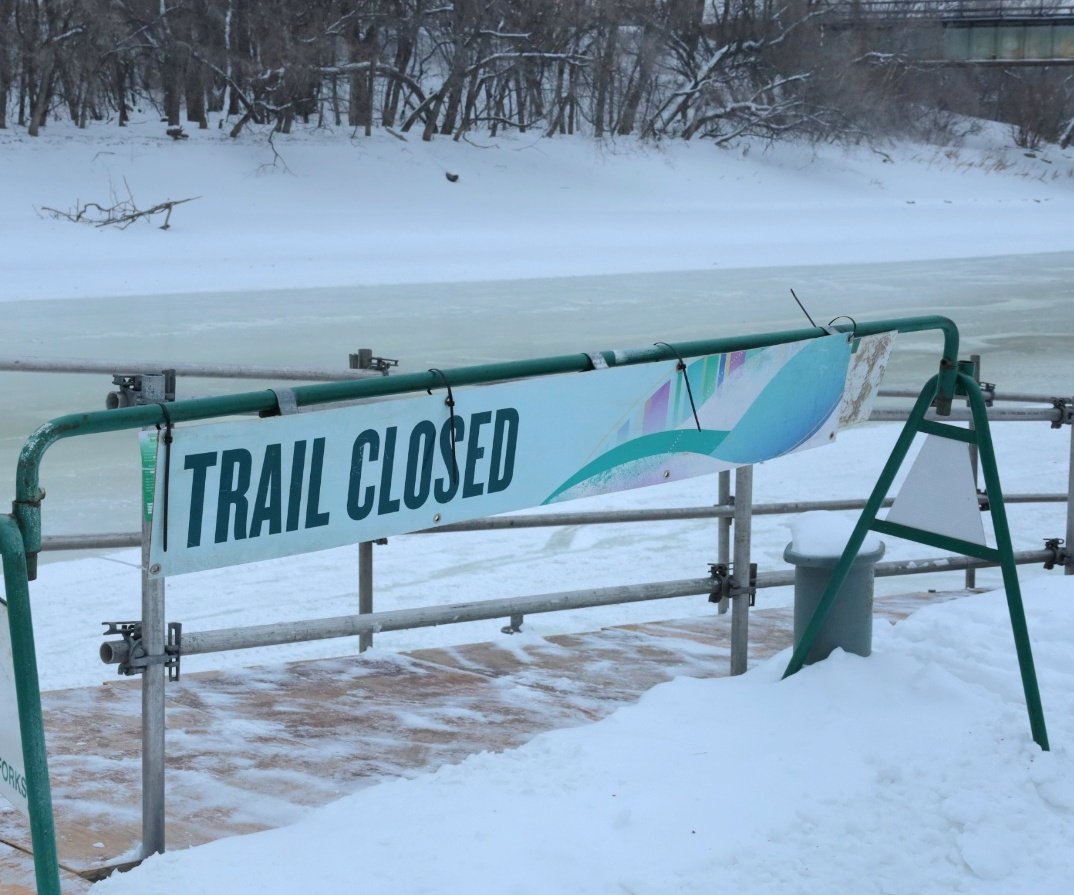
{"points": [[962, 32]]}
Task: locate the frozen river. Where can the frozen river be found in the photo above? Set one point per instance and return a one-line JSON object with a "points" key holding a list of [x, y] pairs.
{"points": [[1018, 312]]}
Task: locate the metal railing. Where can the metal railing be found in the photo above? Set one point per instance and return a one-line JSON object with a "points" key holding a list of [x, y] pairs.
{"points": [[733, 514], [202, 371], [951, 10]]}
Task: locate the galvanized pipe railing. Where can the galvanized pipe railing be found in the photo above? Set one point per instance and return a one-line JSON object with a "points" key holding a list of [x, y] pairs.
{"points": [[114, 652], [553, 520], [203, 371], [990, 395], [995, 414]]}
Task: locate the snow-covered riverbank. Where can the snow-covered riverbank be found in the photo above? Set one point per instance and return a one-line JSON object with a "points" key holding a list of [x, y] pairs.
{"points": [[331, 210]]}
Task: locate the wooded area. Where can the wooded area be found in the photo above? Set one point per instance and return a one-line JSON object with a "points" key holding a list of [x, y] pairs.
{"points": [[681, 68]]}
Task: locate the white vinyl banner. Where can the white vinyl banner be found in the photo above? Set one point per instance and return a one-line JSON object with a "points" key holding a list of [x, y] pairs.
{"points": [[12, 768], [251, 490]]}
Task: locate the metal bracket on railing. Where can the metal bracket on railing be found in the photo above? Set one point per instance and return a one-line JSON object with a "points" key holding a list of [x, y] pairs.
{"points": [[174, 649], [1060, 557], [988, 392], [1065, 406], [135, 389], [718, 572], [515, 627], [948, 374], [982, 501], [751, 586], [136, 660], [727, 585], [364, 359]]}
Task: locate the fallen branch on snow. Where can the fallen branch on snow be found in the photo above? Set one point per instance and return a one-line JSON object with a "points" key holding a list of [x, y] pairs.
{"points": [[121, 214]]}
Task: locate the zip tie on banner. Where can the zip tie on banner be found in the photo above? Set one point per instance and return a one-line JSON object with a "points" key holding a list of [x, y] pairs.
{"points": [[168, 426], [450, 401], [681, 367]]}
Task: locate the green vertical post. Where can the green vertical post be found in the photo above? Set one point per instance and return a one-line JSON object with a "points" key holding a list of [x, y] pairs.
{"points": [[28, 692], [990, 472]]}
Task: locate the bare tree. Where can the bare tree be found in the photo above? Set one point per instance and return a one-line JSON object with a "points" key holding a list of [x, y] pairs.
{"points": [[717, 69]]}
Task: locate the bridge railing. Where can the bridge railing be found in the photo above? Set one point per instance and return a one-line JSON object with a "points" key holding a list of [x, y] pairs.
{"points": [[951, 10]]}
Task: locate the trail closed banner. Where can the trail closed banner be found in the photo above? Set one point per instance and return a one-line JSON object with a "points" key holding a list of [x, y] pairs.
{"points": [[12, 768], [252, 490]]}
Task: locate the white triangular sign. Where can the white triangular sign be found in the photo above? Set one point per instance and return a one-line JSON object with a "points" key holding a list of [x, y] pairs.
{"points": [[940, 494]]}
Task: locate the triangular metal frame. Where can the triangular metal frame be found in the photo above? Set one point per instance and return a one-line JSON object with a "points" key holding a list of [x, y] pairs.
{"points": [[1003, 553]]}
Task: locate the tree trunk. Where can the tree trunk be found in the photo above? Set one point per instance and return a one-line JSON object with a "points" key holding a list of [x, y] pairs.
{"points": [[371, 85], [520, 98], [121, 95], [434, 116], [39, 106], [559, 104], [5, 60], [646, 60], [5, 71], [233, 104], [609, 40], [452, 111], [358, 106], [172, 83], [393, 90], [22, 98], [195, 96]]}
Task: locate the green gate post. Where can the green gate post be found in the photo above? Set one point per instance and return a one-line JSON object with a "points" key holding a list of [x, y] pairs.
{"points": [[1002, 553], [28, 692]]}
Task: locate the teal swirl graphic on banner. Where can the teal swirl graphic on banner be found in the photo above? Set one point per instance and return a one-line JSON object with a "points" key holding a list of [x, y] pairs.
{"points": [[791, 408]]}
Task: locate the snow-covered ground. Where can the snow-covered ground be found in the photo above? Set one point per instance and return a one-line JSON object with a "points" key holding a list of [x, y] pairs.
{"points": [[911, 771], [908, 772]]}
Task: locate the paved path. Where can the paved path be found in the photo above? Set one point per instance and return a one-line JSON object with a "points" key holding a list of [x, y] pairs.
{"points": [[256, 748]]}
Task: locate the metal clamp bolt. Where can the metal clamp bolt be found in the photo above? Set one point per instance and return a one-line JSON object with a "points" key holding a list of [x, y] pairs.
{"points": [[137, 660], [727, 585], [1060, 557], [720, 575], [1065, 406]]}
